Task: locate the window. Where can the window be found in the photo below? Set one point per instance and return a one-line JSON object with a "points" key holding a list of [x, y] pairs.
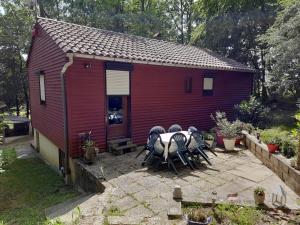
{"points": [[208, 85], [115, 110], [188, 85], [42, 87]]}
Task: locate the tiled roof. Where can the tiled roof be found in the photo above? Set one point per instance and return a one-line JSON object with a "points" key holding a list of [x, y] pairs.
{"points": [[73, 38]]}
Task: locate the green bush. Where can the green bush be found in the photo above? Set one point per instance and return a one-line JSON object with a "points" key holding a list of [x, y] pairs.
{"points": [[271, 136], [252, 111]]}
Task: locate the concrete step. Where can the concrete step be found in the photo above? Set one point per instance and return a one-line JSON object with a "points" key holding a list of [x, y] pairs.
{"points": [[118, 141], [123, 149]]}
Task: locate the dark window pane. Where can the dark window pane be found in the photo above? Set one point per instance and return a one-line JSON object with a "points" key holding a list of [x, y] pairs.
{"points": [[115, 110]]}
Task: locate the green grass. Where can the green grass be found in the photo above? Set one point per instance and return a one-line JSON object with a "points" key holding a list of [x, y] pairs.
{"points": [[27, 188]]}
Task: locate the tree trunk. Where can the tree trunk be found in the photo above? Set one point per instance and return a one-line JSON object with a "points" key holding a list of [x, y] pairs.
{"points": [[298, 155], [17, 106]]}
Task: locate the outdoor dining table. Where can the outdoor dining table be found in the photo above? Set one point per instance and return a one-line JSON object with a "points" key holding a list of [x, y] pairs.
{"points": [[166, 139]]}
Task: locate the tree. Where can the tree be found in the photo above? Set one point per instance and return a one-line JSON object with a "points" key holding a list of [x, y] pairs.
{"points": [[15, 27], [283, 52], [231, 28], [181, 14]]}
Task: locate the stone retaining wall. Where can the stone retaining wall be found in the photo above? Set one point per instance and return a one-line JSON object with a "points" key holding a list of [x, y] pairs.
{"points": [[276, 162]]}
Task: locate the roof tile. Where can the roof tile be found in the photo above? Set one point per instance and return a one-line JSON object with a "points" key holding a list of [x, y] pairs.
{"points": [[86, 40]]}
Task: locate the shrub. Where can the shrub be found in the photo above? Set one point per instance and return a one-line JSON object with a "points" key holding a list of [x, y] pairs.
{"points": [[287, 147], [227, 129], [252, 111]]}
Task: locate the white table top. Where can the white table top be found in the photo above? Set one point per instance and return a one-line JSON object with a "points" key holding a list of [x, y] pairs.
{"points": [[166, 136]]}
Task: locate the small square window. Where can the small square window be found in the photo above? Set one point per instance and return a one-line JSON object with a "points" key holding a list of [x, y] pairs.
{"points": [[208, 85], [42, 88], [188, 85]]}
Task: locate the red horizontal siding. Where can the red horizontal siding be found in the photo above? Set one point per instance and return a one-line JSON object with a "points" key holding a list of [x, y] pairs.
{"points": [[46, 56], [158, 97], [86, 102]]}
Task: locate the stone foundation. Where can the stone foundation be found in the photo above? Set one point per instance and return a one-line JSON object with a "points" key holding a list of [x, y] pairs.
{"points": [[277, 163]]}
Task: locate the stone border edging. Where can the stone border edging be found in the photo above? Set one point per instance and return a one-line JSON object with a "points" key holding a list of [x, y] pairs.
{"points": [[276, 162]]}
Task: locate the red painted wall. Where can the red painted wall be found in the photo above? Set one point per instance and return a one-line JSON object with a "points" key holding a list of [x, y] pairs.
{"points": [[86, 102], [48, 119], [158, 97]]}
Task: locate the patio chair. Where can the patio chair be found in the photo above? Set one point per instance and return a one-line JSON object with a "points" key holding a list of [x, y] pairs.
{"points": [[175, 128], [192, 128], [196, 144], [153, 150], [181, 152], [158, 129]]}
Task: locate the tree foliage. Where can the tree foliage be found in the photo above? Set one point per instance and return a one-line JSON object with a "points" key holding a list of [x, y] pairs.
{"points": [[229, 27], [283, 57]]}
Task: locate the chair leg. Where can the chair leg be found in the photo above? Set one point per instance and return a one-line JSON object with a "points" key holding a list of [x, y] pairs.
{"points": [[188, 161], [204, 157], [181, 158], [213, 152], [144, 149], [170, 162], [147, 157]]}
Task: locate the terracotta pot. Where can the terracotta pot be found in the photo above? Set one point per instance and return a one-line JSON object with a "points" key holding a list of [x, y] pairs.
{"points": [[259, 199], [220, 138], [238, 141], [229, 143], [272, 148]]}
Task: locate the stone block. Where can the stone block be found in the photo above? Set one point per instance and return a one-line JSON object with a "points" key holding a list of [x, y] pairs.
{"points": [[283, 166], [295, 175]]}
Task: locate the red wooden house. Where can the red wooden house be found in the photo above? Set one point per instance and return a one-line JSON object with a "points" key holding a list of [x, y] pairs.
{"points": [[119, 85]]}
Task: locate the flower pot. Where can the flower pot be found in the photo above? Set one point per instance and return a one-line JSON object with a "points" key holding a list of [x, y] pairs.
{"points": [[238, 141], [272, 148], [220, 137], [208, 221], [89, 155], [229, 143], [259, 199]]}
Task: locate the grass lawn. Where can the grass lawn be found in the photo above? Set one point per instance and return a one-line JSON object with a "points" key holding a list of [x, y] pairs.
{"points": [[27, 188]]}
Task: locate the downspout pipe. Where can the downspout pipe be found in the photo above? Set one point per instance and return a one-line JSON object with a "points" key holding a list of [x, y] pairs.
{"points": [[68, 179]]}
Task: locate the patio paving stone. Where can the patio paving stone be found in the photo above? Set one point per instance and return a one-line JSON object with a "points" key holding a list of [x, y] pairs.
{"points": [[144, 195]]}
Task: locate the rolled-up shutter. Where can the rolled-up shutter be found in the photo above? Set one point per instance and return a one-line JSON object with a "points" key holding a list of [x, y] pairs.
{"points": [[117, 82]]}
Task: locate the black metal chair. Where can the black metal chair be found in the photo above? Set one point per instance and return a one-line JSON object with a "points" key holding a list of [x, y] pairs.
{"points": [[158, 129], [196, 145], [192, 128], [181, 152], [175, 128], [150, 146]]}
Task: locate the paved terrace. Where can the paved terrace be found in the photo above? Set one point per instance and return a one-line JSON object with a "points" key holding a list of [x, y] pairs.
{"points": [[143, 196]]}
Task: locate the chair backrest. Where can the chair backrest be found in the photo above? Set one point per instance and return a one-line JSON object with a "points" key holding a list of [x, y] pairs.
{"points": [[158, 129], [180, 140], [152, 138], [175, 128], [192, 128], [198, 139]]}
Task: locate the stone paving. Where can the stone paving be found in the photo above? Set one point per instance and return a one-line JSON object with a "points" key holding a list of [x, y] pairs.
{"points": [[141, 195]]}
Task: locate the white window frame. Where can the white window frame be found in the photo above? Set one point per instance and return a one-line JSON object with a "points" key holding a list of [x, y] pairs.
{"points": [[42, 88], [208, 86]]}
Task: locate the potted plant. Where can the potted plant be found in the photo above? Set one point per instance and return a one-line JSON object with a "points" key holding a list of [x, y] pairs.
{"points": [[89, 148], [197, 217], [272, 140], [209, 138], [227, 129], [259, 195]]}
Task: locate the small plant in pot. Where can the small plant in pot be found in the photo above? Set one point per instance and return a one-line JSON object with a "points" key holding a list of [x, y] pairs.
{"points": [[259, 195], [89, 147], [198, 217], [227, 129], [272, 140]]}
